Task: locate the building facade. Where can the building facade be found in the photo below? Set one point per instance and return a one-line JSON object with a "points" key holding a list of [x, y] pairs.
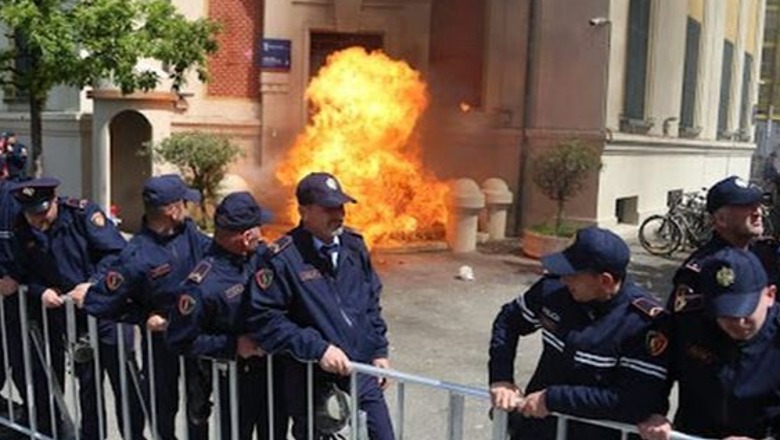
{"points": [[664, 89]]}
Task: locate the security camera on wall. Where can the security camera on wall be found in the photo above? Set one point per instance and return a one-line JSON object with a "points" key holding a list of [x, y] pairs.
{"points": [[598, 21]]}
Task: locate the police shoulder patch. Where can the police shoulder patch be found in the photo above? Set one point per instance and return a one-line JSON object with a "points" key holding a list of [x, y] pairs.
{"points": [[648, 307], [160, 270], [656, 343], [114, 280], [693, 266], [277, 246], [186, 304], [199, 273], [264, 278]]}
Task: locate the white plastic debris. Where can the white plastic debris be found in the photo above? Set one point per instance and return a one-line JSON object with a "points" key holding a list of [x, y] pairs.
{"points": [[466, 273]]}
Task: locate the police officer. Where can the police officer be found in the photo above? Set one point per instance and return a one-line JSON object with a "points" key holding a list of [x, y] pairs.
{"points": [[729, 363], [61, 244], [140, 288], [735, 207], [210, 319], [319, 300], [9, 210], [15, 155], [605, 344]]}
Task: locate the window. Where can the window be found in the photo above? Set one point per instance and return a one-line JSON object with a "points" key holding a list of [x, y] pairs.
{"points": [[690, 73], [636, 59], [745, 107], [725, 90]]}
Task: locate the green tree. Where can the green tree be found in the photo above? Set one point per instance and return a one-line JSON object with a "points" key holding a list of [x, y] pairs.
{"points": [[560, 173], [202, 158], [79, 42]]}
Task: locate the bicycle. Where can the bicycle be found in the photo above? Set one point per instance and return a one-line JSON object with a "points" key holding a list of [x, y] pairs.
{"points": [[686, 222]]}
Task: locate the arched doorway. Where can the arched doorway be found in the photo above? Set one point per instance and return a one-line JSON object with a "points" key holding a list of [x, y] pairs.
{"points": [[129, 131]]}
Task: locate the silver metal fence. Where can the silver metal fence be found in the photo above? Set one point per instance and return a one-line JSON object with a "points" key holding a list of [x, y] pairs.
{"points": [[63, 402]]}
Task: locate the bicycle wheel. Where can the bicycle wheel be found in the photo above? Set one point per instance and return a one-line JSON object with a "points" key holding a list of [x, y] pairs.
{"points": [[660, 235]]}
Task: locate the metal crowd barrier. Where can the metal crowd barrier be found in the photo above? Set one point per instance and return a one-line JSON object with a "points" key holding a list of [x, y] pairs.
{"points": [[63, 398]]}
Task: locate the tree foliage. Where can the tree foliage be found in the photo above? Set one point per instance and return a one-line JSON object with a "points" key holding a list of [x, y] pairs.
{"points": [[80, 42], [560, 173], [202, 158]]}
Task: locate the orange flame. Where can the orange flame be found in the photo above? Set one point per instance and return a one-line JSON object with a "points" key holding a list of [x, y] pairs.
{"points": [[365, 108]]}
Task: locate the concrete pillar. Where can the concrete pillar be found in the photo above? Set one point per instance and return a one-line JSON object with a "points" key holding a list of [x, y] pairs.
{"points": [[101, 162], [467, 202], [497, 200], [665, 69]]}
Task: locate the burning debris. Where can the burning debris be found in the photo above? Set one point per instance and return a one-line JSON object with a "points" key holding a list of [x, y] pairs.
{"points": [[364, 109]]}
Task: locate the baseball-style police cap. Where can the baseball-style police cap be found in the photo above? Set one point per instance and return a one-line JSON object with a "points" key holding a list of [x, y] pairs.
{"points": [[321, 189], [733, 280], [166, 189], [239, 211], [35, 195], [732, 191], [594, 250]]}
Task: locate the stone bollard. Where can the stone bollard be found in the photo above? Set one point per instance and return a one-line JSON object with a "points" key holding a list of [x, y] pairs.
{"points": [[467, 201], [498, 198]]}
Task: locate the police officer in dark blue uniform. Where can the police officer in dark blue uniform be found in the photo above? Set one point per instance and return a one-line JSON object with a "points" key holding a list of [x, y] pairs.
{"points": [[210, 319], [605, 344], [15, 154], [318, 299], [735, 207], [61, 245], [9, 210], [140, 288], [731, 361]]}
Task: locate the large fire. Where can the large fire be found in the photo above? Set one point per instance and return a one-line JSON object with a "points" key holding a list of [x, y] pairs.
{"points": [[365, 108]]}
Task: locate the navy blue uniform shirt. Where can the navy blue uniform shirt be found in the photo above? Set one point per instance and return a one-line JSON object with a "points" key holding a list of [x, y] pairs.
{"points": [[601, 360], [212, 304], [301, 305], [79, 244], [144, 279], [736, 383], [9, 211]]}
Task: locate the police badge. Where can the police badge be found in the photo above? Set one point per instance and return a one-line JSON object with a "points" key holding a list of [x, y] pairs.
{"points": [[725, 276]]}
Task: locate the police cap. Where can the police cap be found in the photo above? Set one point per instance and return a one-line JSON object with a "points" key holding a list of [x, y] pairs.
{"points": [[732, 191], [321, 189], [35, 195], [166, 189], [239, 211], [733, 280], [593, 250]]}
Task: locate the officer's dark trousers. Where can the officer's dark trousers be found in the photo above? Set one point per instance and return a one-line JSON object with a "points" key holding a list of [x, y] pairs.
{"points": [[13, 336], [372, 401], [253, 401], [166, 387], [87, 394], [85, 372]]}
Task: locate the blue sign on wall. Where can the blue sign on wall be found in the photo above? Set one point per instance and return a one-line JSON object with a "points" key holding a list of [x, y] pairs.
{"points": [[275, 54]]}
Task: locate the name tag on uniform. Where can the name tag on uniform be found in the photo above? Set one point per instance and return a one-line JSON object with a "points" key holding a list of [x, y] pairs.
{"points": [[234, 291], [159, 271], [309, 275]]}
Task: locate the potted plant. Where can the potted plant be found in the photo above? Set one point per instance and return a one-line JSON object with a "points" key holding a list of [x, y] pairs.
{"points": [[202, 159], [559, 173]]}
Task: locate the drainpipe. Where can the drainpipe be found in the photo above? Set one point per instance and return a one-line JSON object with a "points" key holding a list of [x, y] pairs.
{"points": [[530, 57]]}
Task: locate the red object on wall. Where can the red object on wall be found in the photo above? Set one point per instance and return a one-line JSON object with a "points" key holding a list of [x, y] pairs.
{"points": [[234, 70]]}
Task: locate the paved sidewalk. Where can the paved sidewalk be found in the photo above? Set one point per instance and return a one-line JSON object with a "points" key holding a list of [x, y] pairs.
{"points": [[439, 325]]}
